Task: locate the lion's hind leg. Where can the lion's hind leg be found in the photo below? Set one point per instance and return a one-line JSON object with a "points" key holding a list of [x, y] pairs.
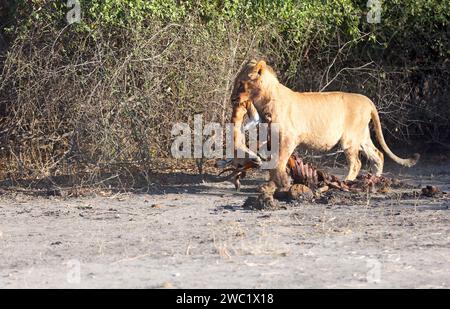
{"points": [[354, 163], [374, 155], [357, 132], [351, 150]]}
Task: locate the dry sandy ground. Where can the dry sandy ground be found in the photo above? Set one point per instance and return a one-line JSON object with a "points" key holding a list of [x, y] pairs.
{"points": [[199, 236]]}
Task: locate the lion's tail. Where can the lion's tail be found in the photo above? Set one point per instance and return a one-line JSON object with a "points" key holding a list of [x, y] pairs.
{"points": [[379, 133]]}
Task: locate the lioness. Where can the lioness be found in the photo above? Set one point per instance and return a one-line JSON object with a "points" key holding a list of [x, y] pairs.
{"points": [[317, 120]]}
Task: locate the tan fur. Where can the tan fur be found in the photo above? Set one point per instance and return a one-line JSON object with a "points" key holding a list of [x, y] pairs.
{"points": [[315, 120]]}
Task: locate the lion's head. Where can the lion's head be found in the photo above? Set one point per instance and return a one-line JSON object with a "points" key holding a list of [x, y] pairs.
{"points": [[254, 77]]}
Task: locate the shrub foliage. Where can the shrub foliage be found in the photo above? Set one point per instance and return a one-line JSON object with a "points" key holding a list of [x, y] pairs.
{"points": [[106, 91]]}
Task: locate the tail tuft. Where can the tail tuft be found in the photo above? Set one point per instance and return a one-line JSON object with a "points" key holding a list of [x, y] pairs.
{"points": [[413, 160]]}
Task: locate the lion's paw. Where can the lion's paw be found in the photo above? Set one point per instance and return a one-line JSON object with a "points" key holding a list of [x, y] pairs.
{"points": [[261, 202]]}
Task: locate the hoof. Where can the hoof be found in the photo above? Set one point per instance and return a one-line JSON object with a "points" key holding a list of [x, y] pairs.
{"points": [[237, 186], [257, 161]]}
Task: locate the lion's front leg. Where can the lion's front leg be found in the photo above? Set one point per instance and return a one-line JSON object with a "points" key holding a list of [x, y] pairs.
{"points": [[279, 178]]}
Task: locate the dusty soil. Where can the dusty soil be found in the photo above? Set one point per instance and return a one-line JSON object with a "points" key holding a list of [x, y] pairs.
{"points": [[197, 235]]}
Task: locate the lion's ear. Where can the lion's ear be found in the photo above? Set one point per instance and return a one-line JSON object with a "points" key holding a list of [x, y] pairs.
{"points": [[260, 66], [258, 70]]}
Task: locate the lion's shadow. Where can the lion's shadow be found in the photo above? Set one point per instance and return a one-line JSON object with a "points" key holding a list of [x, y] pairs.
{"points": [[152, 183]]}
